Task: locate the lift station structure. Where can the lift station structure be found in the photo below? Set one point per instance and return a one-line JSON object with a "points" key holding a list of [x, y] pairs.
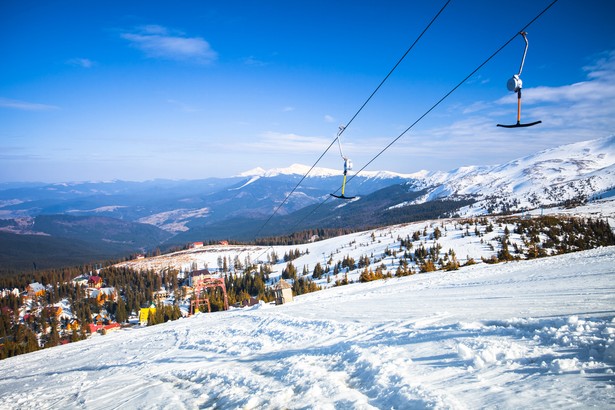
{"points": [[201, 280]]}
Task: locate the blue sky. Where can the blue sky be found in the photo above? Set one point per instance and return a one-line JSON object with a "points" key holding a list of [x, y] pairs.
{"points": [[137, 90]]}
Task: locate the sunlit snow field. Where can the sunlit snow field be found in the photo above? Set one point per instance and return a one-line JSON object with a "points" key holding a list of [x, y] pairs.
{"points": [[537, 333]]}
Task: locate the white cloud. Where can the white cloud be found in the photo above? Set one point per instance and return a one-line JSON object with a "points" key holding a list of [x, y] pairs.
{"points": [[603, 68], [25, 106], [288, 109], [583, 91], [329, 118], [307, 148], [582, 109], [599, 86], [154, 29], [159, 42], [271, 141], [81, 62], [569, 113]]}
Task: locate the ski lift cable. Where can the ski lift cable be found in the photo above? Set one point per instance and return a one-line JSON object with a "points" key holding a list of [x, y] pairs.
{"points": [[416, 122], [343, 128], [293, 190], [433, 106], [455, 88], [410, 127]]}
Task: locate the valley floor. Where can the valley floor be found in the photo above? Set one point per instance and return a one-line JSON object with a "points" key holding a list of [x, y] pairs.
{"points": [[538, 333]]}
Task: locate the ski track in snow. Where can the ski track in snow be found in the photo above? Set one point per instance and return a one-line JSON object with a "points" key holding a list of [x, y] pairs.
{"points": [[537, 333]]}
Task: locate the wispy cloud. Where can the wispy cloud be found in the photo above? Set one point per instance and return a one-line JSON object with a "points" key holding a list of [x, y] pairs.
{"points": [[478, 78], [584, 91], [25, 105], [183, 106], [582, 108], [569, 113], [599, 86], [271, 141], [295, 145], [160, 42], [253, 61], [603, 67], [329, 119], [18, 153], [81, 62]]}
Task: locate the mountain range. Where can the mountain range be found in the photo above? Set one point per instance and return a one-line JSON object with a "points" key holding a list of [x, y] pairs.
{"points": [[116, 218]]}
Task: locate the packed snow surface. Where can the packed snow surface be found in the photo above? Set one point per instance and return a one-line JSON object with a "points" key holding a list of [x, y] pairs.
{"points": [[536, 333]]}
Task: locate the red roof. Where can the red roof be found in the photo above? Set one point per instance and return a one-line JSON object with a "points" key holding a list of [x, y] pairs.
{"points": [[95, 328], [95, 279]]}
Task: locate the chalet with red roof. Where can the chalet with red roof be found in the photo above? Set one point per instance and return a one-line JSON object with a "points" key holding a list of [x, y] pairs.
{"points": [[95, 282]]}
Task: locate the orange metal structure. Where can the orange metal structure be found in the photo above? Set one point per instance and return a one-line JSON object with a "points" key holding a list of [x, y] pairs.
{"points": [[200, 284]]}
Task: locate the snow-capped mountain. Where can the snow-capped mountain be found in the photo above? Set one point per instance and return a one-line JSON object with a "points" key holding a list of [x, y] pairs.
{"points": [[570, 172], [566, 173], [318, 172], [237, 207]]}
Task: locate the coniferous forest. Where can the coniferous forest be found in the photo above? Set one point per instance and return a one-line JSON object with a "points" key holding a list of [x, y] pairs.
{"points": [[32, 302]]}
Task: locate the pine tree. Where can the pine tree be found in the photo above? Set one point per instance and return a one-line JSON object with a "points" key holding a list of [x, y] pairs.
{"points": [[318, 271], [427, 266], [54, 336], [290, 272], [120, 313]]}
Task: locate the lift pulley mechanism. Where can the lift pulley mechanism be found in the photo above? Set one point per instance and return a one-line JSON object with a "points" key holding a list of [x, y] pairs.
{"points": [[515, 84], [347, 166]]}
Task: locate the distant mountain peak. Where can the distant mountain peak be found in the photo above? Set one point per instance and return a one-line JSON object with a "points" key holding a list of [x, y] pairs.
{"points": [[300, 169], [254, 172], [548, 177], [294, 169]]}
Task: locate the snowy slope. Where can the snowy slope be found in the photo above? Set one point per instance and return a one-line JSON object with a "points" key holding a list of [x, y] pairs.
{"points": [[573, 169], [457, 235], [537, 333], [546, 178], [568, 172]]}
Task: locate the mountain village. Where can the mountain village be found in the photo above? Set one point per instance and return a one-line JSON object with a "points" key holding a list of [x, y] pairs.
{"points": [[206, 278]]}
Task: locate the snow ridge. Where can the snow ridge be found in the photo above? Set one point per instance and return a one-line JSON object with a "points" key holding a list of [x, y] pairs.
{"points": [[549, 177], [317, 172], [568, 172]]}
